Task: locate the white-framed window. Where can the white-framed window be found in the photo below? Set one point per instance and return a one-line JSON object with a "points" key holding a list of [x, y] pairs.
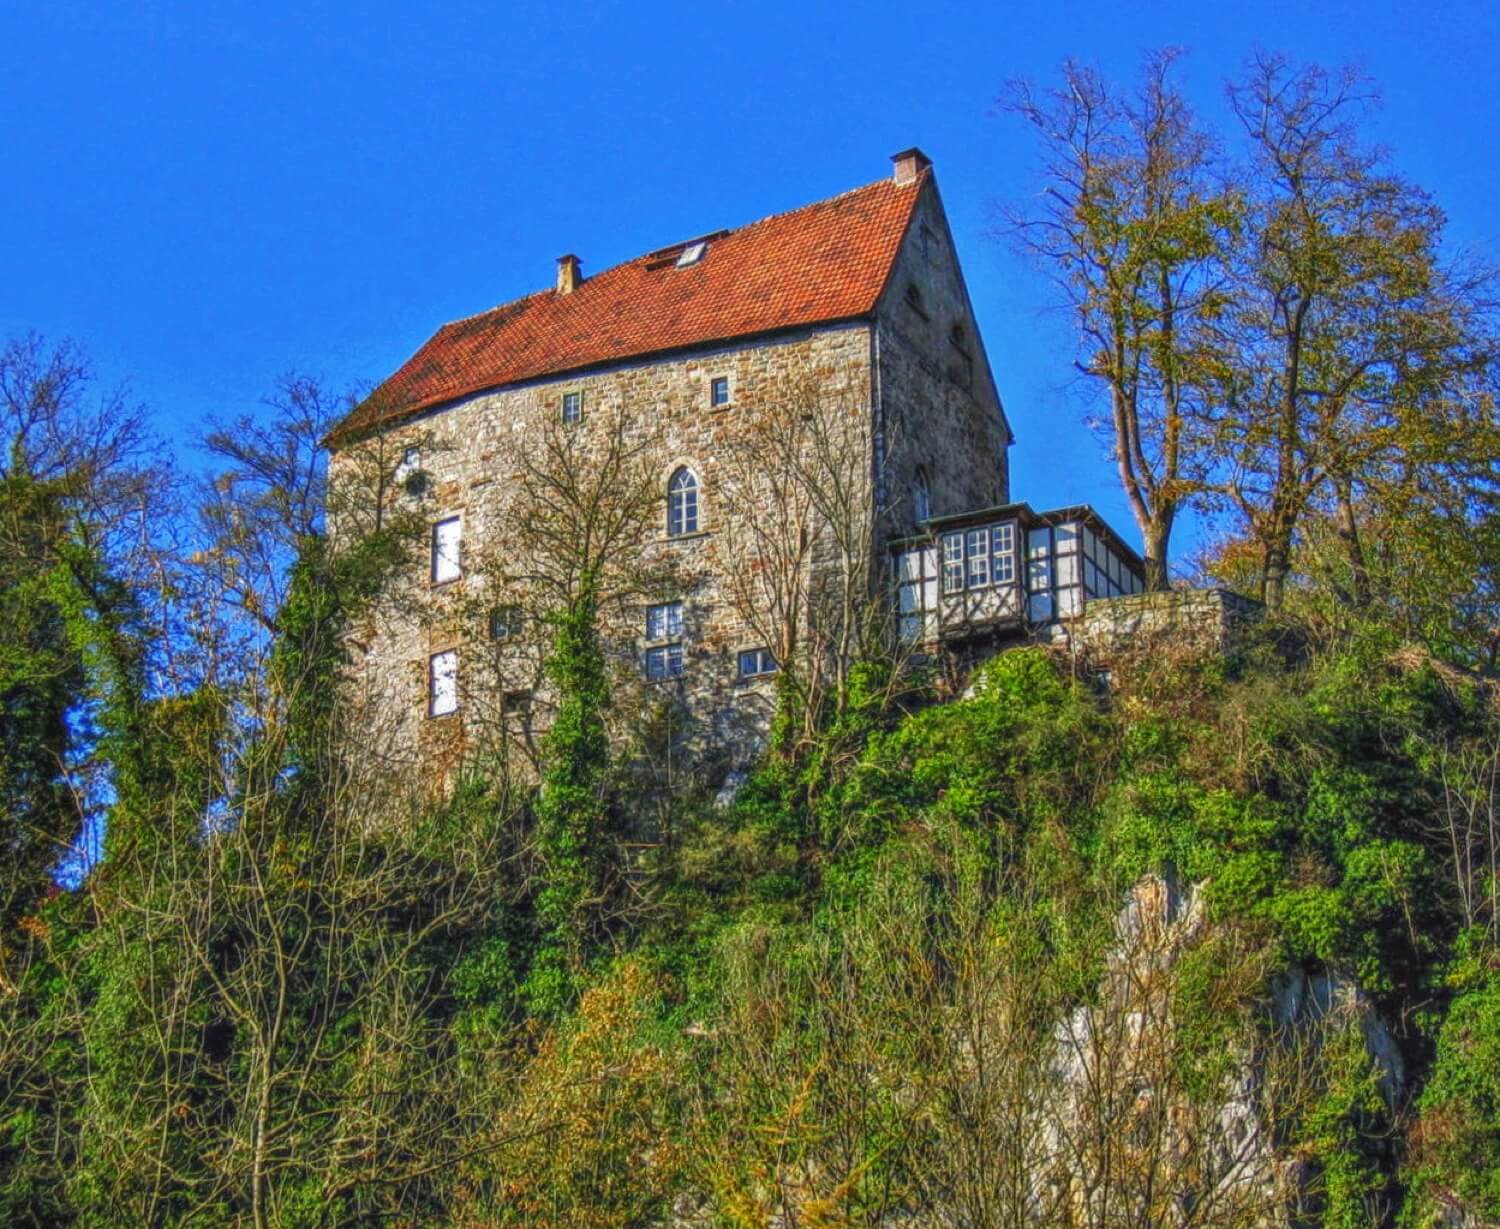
{"points": [[755, 663], [682, 503], [718, 392], [664, 662], [921, 496], [977, 552], [442, 683], [1003, 543], [505, 622], [953, 562], [979, 558], [664, 621], [447, 546], [572, 407]]}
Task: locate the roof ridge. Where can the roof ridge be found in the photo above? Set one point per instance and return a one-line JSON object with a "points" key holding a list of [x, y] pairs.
{"points": [[656, 252], [486, 311]]}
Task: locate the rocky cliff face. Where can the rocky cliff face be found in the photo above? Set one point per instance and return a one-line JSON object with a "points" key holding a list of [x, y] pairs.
{"points": [[1130, 1120]]}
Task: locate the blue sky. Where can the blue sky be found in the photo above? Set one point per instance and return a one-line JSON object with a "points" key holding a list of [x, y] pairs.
{"points": [[208, 195]]}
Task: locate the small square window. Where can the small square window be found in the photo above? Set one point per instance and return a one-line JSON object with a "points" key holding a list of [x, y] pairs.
{"points": [[664, 662], [756, 662], [442, 683], [718, 391], [505, 622], [572, 407], [447, 539], [515, 708], [664, 621], [409, 474]]}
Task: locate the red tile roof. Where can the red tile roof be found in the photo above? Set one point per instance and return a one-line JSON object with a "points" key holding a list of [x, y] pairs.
{"points": [[824, 262]]}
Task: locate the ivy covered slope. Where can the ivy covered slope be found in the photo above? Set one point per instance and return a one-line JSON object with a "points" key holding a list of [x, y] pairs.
{"points": [[963, 873], [1215, 943], [860, 991]]}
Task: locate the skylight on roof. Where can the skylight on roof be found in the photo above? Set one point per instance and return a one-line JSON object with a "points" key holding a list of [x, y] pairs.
{"points": [[692, 254]]}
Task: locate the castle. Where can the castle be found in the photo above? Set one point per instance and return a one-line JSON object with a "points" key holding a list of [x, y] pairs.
{"points": [[856, 302]]}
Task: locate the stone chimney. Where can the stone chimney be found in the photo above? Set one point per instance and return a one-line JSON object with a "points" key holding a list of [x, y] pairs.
{"points": [[569, 274], [908, 164]]}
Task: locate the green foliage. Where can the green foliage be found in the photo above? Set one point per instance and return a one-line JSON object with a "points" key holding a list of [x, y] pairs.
{"points": [[1457, 1137], [571, 807], [466, 1030]]}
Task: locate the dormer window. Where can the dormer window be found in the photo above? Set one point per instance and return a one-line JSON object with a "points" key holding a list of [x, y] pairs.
{"points": [[691, 254], [572, 407]]}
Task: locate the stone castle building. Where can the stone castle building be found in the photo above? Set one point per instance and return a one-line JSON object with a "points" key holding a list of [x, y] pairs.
{"points": [[857, 301]]}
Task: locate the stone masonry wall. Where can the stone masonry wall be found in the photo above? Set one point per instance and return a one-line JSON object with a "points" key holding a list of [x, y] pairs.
{"points": [[1202, 618], [930, 393], [939, 407], [463, 450]]}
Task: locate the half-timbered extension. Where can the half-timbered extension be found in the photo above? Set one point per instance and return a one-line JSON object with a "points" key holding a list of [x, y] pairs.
{"points": [[1006, 570]]}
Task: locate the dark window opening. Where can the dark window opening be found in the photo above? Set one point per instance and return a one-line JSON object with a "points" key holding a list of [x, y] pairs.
{"points": [[505, 622], [756, 663]]}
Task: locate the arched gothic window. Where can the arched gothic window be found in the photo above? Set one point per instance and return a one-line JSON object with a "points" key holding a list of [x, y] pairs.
{"points": [[921, 497], [682, 503]]}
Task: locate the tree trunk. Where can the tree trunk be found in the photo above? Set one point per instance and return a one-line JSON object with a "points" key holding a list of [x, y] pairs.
{"points": [[1157, 534], [1354, 551], [1273, 577]]}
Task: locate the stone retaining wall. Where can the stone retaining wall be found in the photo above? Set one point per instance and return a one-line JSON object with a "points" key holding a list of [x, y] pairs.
{"points": [[1206, 619]]}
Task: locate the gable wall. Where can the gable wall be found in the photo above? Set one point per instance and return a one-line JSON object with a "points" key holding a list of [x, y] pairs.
{"points": [[935, 413]]}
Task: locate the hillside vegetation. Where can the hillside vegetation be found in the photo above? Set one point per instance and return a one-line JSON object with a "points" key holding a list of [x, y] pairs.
{"points": [[850, 997]]}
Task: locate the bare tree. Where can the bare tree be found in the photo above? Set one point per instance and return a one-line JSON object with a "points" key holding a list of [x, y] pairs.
{"points": [[1135, 221], [799, 524], [1349, 333]]}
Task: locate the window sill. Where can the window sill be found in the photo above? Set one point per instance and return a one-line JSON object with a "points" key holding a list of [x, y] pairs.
{"points": [[685, 537]]}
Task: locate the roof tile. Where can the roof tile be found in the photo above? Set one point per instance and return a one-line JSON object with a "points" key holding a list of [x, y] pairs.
{"points": [[823, 262]]}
